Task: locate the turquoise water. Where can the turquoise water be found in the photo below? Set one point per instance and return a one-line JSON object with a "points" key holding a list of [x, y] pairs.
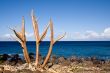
{"points": [[100, 49]]}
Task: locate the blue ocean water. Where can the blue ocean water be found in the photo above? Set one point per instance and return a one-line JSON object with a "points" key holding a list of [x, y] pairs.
{"points": [[100, 49]]}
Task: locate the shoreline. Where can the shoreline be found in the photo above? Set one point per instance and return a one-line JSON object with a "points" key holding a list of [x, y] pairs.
{"points": [[33, 54], [55, 65]]}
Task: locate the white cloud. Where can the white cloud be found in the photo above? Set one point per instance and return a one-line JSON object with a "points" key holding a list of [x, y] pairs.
{"points": [[89, 35], [5, 37], [77, 36], [11, 37], [29, 35], [107, 30], [106, 33]]}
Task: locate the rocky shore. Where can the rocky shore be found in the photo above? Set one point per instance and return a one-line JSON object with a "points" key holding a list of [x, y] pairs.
{"points": [[15, 64]]}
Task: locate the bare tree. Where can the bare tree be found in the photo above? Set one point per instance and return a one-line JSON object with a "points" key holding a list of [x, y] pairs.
{"points": [[51, 43], [37, 36], [21, 38]]}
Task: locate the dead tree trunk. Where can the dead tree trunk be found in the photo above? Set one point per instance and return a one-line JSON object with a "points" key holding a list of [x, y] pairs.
{"points": [[37, 37], [51, 44], [21, 38]]}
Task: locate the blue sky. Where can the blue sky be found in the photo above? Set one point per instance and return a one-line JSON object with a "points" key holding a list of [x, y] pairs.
{"points": [[81, 19]]}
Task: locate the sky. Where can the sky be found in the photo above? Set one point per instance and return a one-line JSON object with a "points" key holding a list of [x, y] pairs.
{"points": [[82, 20]]}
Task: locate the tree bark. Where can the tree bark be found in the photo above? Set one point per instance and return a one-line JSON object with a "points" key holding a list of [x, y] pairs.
{"points": [[37, 53], [26, 55], [48, 55]]}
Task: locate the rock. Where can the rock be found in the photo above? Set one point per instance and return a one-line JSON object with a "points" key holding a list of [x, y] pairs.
{"points": [[95, 62], [14, 57], [53, 60], [4, 58], [58, 69], [25, 71], [1, 61], [40, 59], [20, 61], [7, 71], [107, 62], [44, 57], [93, 58], [88, 59], [18, 71], [66, 63], [6, 62], [15, 60], [44, 71], [87, 63], [73, 59], [31, 55], [61, 59], [28, 71], [102, 61], [82, 59], [49, 65], [1, 69], [37, 71]]}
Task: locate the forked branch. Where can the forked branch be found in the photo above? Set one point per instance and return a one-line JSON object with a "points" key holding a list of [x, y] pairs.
{"points": [[37, 37], [51, 44], [21, 38]]}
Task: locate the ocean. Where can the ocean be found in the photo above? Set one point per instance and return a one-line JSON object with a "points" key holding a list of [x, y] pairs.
{"points": [[99, 49]]}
